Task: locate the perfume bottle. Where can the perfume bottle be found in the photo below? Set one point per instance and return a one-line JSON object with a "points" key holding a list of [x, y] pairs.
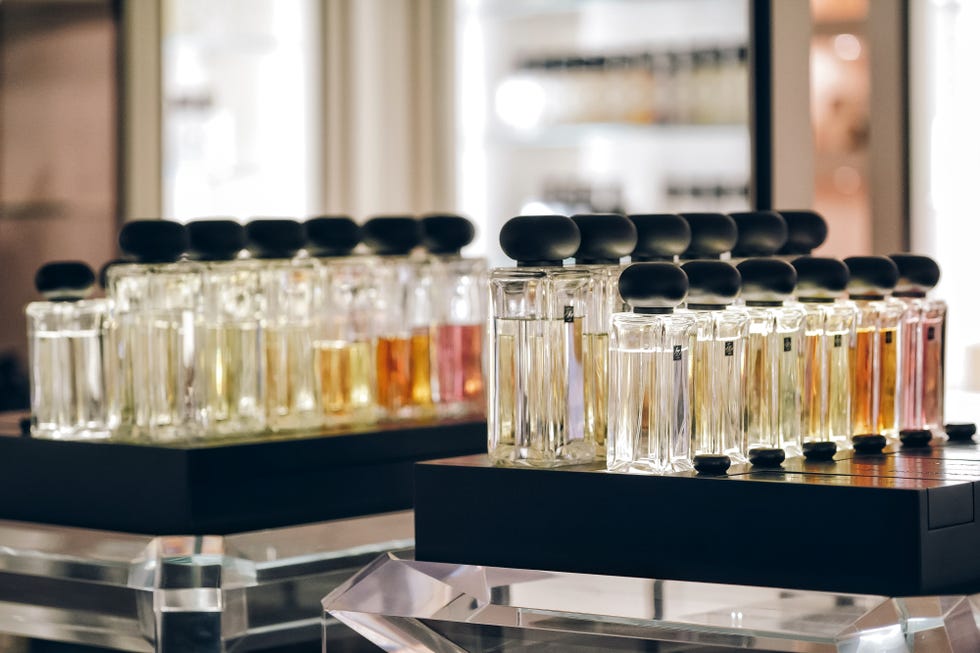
{"points": [[825, 384], [875, 349], [605, 239], [402, 317], [923, 343], [805, 231], [344, 348], [537, 380], [69, 382], [760, 234], [649, 372], [459, 315], [660, 237], [153, 301], [717, 360], [229, 352], [773, 358], [712, 235], [285, 285]]}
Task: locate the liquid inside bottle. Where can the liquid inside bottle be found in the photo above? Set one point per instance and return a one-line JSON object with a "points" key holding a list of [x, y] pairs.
{"points": [[862, 364]]}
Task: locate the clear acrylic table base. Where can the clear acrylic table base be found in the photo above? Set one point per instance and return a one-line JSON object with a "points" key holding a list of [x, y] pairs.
{"points": [[404, 605]]}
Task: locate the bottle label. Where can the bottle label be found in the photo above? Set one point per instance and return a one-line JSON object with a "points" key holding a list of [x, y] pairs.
{"points": [[838, 339], [569, 313], [787, 344], [677, 352], [931, 333], [888, 337], [729, 348]]}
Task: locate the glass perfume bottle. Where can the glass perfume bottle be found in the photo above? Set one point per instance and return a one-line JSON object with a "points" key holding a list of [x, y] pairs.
{"points": [[760, 234], [153, 301], [344, 347], [229, 350], [649, 371], [805, 231], [923, 344], [659, 237], [875, 349], [717, 360], [712, 235], [459, 315], [69, 381], [605, 239], [537, 381], [402, 317], [285, 286], [825, 384], [773, 358]]}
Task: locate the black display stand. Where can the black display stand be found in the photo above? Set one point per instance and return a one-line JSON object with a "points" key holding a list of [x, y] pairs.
{"points": [[900, 523], [221, 488]]}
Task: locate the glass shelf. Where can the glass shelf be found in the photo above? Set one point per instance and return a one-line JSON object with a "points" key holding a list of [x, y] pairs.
{"points": [[402, 604]]}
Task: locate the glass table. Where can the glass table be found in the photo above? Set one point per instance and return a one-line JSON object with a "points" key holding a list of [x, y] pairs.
{"points": [[401, 604]]}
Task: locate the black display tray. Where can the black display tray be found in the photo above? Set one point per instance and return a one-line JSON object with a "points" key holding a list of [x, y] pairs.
{"points": [[902, 523], [222, 487]]}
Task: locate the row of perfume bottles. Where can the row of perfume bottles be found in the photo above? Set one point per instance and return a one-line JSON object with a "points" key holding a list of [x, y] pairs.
{"points": [[222, 329], [701, 86], [574, 377]]}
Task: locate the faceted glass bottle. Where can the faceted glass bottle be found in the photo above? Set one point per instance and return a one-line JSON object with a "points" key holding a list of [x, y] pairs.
{"points": [[649, 373], [153, 302], [536, 408], [69, 382]]}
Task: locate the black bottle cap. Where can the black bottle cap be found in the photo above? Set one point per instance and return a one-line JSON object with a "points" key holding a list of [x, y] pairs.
{"points": [[653, 287], [215, 240], [153, 241], [64, 280], [871, 276], [539, 240], [806, 231], [960, 432], [102, 275], [915, 437], [274, 238], [712, 464], [711, 284], [760, 233], [660, 236], [331, 235], [606, 238], [917, 274], [766, 281], [819, 451], [820, 279], [446, 234], [869, 443], [391, 235], [763, 457], [712, 234]]}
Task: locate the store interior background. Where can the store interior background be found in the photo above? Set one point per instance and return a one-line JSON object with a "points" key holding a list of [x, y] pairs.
{"points": [[121, 109]]}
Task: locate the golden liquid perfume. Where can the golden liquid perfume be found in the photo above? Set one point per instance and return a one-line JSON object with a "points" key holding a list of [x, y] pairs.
{"points": [[805, 231], [659, 237], [536, 408], [650, 356], [344, 346], [825, 385], [285, 287], [875, 350], [760, 234], [606, 239], [712, 235], [459, 316], [228, 368], [70, 383], [773, 359], [718, 357], [153, 302]]}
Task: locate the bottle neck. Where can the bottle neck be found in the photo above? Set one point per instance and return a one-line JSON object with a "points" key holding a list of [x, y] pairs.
{"points": [[867, 297], [540, 264], [653, 310], [706, 307], [816, 300], [909, 294], [763, 303]]}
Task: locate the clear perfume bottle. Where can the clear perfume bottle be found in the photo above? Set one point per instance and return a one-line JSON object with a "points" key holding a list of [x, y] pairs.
{"points": [[459, 315], [153, 302], [829, 330], [805, 231], [344, 302], [228, 374], [718, 356], [69, 381], [773, 358], [284, 293], [537, 379], [402, 317], [875, 360], [659, 237], [712, 235], [606, 239], [650, 354], [923, 344], [760, 234]]}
